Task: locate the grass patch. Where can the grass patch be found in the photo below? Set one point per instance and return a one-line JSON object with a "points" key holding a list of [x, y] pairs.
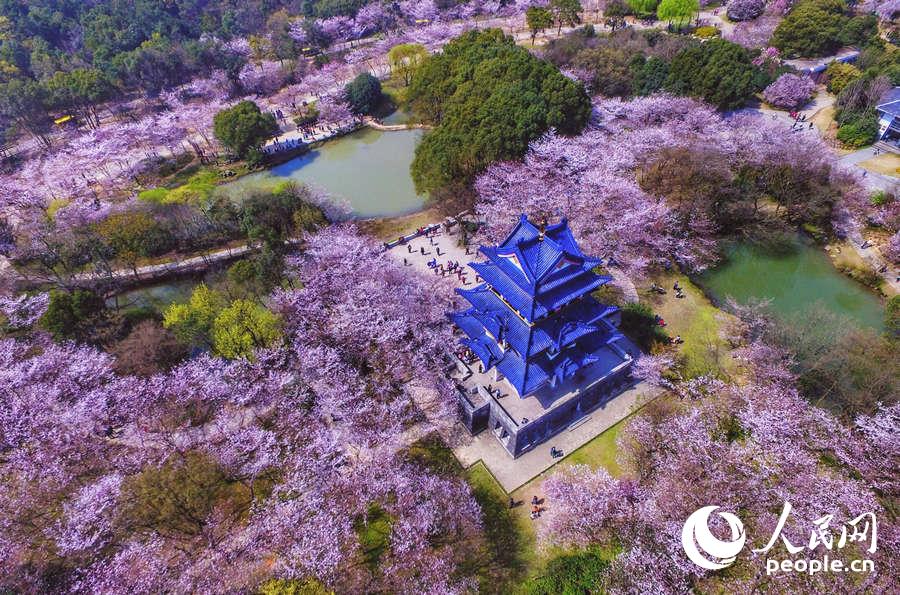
{"points": [[578, 571], [697, 321], [391, 228], [887, 164], [510, 539], [374, 532], [600, 451]]}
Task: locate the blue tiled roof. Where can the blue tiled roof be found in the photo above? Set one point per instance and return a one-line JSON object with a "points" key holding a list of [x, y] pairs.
{"points": [[530, 264], [532, 317], [525, 378]]}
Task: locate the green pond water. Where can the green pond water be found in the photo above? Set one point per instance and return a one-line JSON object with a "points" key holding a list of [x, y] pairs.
{"points": [[793, 282], [369, 169], [158, 295]]}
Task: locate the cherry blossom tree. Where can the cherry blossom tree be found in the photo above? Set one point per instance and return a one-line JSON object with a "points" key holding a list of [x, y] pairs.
{"points": [[755, 33], [892, 249], [789, 91], [320, 420], [754, 447], [745, 10], [24, 311]]}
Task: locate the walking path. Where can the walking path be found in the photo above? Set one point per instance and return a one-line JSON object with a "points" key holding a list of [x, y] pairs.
{"points": [[873, 180], [126, 277]]}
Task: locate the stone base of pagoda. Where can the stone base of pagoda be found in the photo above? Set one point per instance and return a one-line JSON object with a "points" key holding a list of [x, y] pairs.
{"points": [[521, 424], [518, 436]]}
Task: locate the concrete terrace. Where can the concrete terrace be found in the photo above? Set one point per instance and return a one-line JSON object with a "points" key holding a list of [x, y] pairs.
{"points": [[511, 473]]}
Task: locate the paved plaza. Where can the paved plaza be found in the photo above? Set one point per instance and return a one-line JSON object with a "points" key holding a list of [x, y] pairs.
{"points": [[443, 247]]}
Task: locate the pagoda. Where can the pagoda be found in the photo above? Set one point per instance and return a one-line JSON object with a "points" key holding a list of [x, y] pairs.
{"points": [[535, 328]]}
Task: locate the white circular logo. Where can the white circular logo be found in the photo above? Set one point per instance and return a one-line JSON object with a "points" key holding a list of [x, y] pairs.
{"points": [[696, 533]]}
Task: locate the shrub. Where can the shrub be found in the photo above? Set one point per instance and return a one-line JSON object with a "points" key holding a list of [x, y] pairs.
{"points": [[363, 93], [789, 91], [69, 313], [839, 75], [707, 32], [745, 10], [858, 134]]}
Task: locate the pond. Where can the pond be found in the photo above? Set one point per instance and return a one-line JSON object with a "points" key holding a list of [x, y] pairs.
{"points": [[156, 296], [368, 168], [793, 282]]}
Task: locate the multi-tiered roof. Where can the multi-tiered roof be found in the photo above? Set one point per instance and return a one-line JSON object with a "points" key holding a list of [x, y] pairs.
{"points": [[533, 317]]}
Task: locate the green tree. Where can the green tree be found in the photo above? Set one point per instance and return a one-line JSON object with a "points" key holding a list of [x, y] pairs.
{"points": [[649, 75], [819, 28], [538, 19], [566, 12], [406, 58], [176, 499], [611, 73], [81, 91], [282, 44], [192, 321], [70, 313], [643, 8], [25, 102], [489, 98], [718, 71], [364, 93], [839, 75], [677, 11], [243, 327], [132, 235], [272, 217], [156, 64], [243, 127]]}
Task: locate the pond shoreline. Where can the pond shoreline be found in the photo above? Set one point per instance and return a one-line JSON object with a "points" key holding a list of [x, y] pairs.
{"points": [[792, 283]]}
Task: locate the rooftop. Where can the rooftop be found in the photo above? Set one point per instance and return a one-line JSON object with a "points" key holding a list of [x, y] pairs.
{"points": [[610, 359], [890, 102]]}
